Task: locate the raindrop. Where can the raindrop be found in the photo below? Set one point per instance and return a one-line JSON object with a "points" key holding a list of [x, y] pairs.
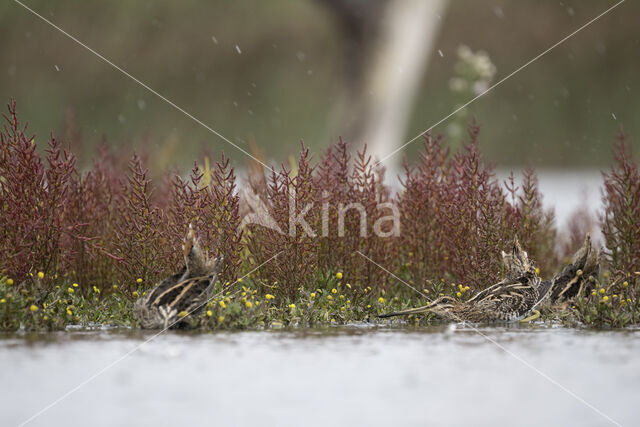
{"points": [[570, 11], [614, 116], [300, 55], [440, 53], [141, 104], [235, 104], [215, 40], [498, 12], [250, 112], [254, 84], [309, 72], [57, 68], [121, 118], [238, 50]]}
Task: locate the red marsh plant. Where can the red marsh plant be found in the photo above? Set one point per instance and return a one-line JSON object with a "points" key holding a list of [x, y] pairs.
{"points": [[355, 209], [460, 217], [208, 200], [36, 225], [620, 221], [280, 198]]}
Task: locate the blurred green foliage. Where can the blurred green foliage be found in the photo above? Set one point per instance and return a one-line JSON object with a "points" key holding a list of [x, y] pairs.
{"points": [[271, 72]]}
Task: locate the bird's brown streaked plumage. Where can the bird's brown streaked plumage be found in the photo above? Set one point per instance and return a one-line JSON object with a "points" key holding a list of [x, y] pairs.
{"points": [[576, 277], [183, 293], [511, 299]]}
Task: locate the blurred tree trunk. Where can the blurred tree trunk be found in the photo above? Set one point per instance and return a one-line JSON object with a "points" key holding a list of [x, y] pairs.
{"points": [[387, 48]]}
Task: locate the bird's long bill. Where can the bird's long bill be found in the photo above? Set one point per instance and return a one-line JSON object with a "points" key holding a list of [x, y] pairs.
{"points": [[409, 311]]}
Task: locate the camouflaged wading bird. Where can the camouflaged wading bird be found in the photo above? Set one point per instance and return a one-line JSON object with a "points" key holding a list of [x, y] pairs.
{"points": [[509, 300], [578, 277], [182, 294]]}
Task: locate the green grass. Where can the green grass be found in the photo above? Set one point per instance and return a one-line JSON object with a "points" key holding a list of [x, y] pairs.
{"points": [[250, 304]]}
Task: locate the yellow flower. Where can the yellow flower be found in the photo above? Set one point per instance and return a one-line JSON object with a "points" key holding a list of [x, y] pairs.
{"points": [[623, 302], [2, 301], [115, 286], [381, 300], [138, 280], [629, 300], [615, 296], [40, 275], [96, 290], [624, 285], [605, 298], [33, 308], [312, 295], [368, 305], [75, 285], [593, 293], [466, 288], [348, 286], [45, 318], [9, 282], [248, 304], [602, 291], [333, 320], [341, 296], [460, 287], [209, 313], [338, 275], [220, 319], [537, 270], [70, 290], [579, 273], [292, 306], [458, 294], [244, 294], [222, 304], [135, 294], [240, 280], [69, 312], [257, 302], [348, 301], [329, 297], [342, 309], [334, 291], [183, 313]]}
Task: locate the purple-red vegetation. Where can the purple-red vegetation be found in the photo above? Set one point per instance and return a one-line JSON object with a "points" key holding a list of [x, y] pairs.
{"points": [[620, 221], [111, 224]]}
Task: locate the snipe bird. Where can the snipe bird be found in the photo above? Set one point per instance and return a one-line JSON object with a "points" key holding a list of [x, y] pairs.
{"points": [[577, 278], [183, 293], [508, 300]]}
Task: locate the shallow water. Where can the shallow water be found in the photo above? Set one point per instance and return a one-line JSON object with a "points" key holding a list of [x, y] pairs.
{"points": [[350, 375]]}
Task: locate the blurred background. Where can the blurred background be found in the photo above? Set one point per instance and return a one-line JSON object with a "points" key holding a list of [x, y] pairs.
{"points": [[269, 74]]}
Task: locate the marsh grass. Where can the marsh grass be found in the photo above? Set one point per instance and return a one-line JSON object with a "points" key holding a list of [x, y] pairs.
{"points": [[114, 232]]}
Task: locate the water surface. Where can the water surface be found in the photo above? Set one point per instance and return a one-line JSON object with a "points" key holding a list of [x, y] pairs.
{"points": [[351, 375]]}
